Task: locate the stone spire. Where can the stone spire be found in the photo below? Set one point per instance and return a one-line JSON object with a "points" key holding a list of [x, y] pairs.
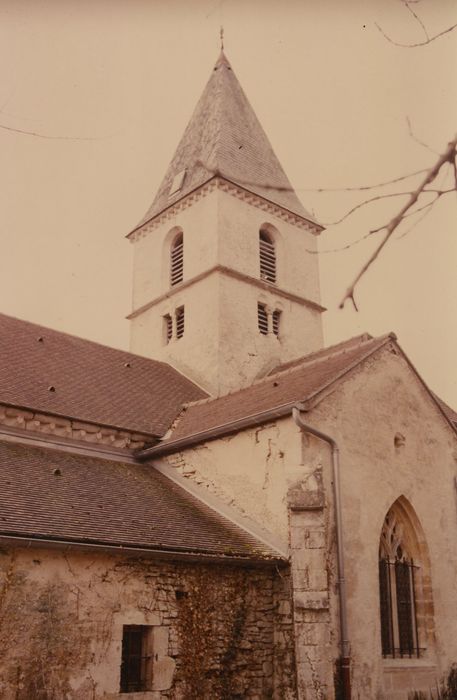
{"points": [[224, 138]]}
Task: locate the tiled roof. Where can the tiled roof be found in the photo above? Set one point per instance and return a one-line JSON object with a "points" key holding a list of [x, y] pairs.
{"points": [[46, 494], [53, 372], [450, 413], [225, 137], [297, 381]]}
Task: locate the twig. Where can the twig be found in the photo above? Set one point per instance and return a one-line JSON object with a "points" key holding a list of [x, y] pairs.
{"points": [[289, 188], [419, 43], [343, 247], [48, 136], [447, 157], [417, 18], [364, 203], [421, 143], [425, 212]]}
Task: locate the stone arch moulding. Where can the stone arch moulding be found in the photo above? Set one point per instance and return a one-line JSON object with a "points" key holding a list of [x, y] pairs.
{"points": [[404, 563]]}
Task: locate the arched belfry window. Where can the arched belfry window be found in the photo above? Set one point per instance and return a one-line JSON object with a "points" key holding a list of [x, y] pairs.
{"points": [[267, 256], [177, 259], [404, 585]]}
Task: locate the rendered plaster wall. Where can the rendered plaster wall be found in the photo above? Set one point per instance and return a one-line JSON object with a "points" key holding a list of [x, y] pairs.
{"points": [[284, 482], [151, 261], [215, 631], [274, 477], [239, 223], [380, 402], [222, 348]]}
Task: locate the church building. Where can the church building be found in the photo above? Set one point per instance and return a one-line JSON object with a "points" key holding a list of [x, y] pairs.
{"points": [[229, 510]]}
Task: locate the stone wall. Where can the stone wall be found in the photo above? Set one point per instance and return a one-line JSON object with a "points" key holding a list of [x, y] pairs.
{"points": [[273, 474], [216, 631]]}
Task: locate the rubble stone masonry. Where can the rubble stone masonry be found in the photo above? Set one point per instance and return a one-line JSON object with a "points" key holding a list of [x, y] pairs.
{"points": [[216, 631]]}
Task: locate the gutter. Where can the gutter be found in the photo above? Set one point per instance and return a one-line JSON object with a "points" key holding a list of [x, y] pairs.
{"points": [[218, 431], [72, 546], [344, 636]]}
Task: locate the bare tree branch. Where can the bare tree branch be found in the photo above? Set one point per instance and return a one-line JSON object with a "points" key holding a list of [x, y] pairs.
{"points": [[363, 204], [425, 212], [417, 140], [269, 186], [447, 157], [419, 43], [49, 136], [417, 18]]}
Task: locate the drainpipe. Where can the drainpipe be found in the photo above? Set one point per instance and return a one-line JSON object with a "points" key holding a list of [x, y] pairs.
{"points": [[345, 647]]}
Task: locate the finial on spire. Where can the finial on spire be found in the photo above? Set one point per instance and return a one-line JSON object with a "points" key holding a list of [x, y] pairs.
{"points": [[221, 34]]}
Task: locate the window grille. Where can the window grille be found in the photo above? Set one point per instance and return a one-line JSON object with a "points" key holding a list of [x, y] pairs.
{"points": [[167, 328], [399, 633], [262, 318], [136, 665], [267, 254], [276, 321], [398, 609], [180, 322], [177, 260]]}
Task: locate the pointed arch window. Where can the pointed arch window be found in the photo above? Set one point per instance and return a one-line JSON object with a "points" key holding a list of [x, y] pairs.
{"points": [[177, 260], [397, 589], [267, 256]]}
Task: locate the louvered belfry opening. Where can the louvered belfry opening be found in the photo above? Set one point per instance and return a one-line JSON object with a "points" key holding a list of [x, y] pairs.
{"points": [[177, 260], [262, 318], [180, 322], [276, 321], [267, 254], [168, 328]]}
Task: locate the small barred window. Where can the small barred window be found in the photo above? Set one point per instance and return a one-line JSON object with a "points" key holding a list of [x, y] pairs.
{"points": [[177, 260], [180, 322], [276, 321], [262, 318], [136, 665], [267, 255]]}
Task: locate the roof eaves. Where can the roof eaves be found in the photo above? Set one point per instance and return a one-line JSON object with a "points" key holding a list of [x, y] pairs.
{"points": [[13, 539], [256, 418], [250, 527], [159, 212]]}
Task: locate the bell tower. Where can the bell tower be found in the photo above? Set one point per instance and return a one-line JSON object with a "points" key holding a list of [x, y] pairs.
{"points": [[224, 285]]}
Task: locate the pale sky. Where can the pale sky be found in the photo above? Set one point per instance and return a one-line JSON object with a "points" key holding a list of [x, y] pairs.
{"points": [[119, 81]]}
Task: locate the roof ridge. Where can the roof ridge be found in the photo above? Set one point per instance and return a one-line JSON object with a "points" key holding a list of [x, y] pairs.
{"points": [[333, 351], [272, 375]]}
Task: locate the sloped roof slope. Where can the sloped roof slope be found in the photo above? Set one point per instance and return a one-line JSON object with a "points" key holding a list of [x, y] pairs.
{"points": [[53, 372], [224, 137], [291, 383], [53, 495], [450, 413]]}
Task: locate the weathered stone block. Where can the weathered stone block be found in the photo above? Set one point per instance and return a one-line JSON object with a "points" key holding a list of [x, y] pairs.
{"points": [[160, 641], [312, 600], [315, 539], [163, 672]]}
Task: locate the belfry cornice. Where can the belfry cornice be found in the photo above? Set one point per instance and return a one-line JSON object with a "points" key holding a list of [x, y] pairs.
{"points": [[225, 185]]}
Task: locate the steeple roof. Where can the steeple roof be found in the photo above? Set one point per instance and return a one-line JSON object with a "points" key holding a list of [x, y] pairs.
{"points": [[225, 138]]}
